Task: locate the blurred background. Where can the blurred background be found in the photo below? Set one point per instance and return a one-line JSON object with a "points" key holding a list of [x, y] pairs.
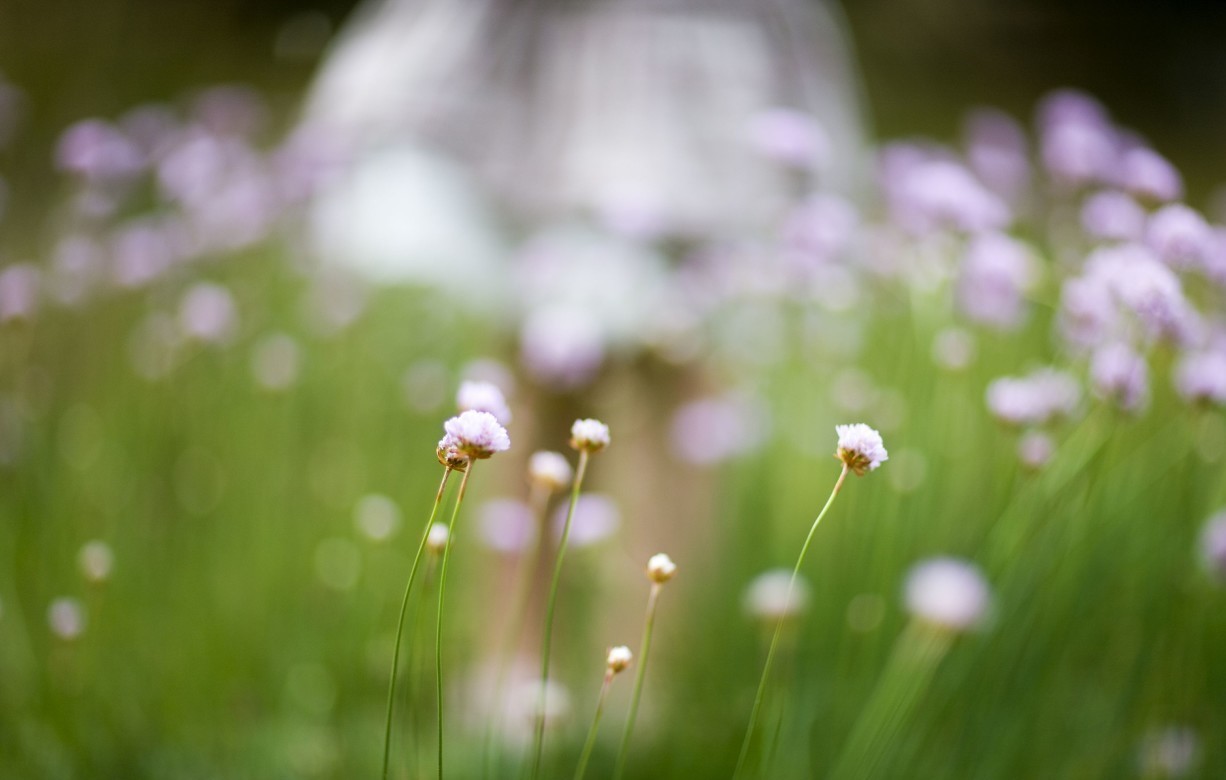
{"points": [[249, 251]]}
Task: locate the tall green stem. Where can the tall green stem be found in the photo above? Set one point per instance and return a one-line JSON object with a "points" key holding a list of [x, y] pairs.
{"points": [[770, 654], [553, 597], [404, 608], [591, 734], [639, 674], [438, 626]]}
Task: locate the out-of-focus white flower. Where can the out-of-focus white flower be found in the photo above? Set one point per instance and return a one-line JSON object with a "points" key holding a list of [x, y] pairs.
{"points": [[19, 291], [1170, 752], [208, 313], [483, 397], [1149, 175], [437, 537], [767, 597], [996, 149], [860, 448], [927, 194], [997, 270], [589, 435], [619, 659], [377, 517], [1200, 377], [96, 560], [1213, 545], [1118, 373], [97, 150], [715, 429], [275, 362], [1077, 144], [531, 701], [791, 137], [507, 525], [550, 470], [1034, 449], [953, 349], [596, 519], [1180, 236], [561, 347], [1138, 283], [66, 618], [477, 434], [1112, 216], [947, 592], [660, 568], [1035, 399]]}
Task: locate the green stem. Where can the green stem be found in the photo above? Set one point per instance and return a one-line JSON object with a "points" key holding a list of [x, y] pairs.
{"points": [[639, 674], [404, 608], [770, 654], [538, 748], [438, 626], [591, 734]]}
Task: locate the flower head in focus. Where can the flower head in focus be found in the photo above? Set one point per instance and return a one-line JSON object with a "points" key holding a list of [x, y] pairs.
{"points": [[589, 435], [449, 454], [860, 448], [476, 434]]}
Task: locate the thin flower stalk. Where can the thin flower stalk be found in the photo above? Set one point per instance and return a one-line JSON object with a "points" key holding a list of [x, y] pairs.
{"points": [[639, 674], [770, 654], [539, 742], [404, 608], [590, 742], [438, 627]]}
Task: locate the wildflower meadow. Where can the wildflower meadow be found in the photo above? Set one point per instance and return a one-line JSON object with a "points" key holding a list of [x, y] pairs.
{"points": [[345, 442]]}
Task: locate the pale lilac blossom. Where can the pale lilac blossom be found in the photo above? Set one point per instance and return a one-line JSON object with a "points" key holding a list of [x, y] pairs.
{"points": [[66, 618], [860, 448], [1180, 236], [1035, 399], [1213, 545], [1035, 449], [711, 430], [996, 273], [1200, 377], [996, 149], [1119, 374], [1111, 215], [20, 290], [507, 525], [948, 593], [483, 397], [1148, 174], [477, 434], [562, 347], [596, 518], [791, 137], [550, 470], [97, 150], [208, 313]]}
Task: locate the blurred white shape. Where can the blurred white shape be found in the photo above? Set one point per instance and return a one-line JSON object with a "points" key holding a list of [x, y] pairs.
{"points": [[208, 313], [1170, 752], [1213, 545], [483, 397], [1034, 449], [275, 362], [530, 701], [561, 347], [953, 349], [507, 525], [96, 560], [580, 110], [596, 519], [66, 618], [947, 592], [773, 596], [20, 285], [711, 430], [377, 517]]}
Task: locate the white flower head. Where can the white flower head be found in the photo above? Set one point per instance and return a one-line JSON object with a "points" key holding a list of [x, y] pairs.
{"points": [[477, 434], [550, 470], [773, 595], [619, 659], [860, 448], [436, 538], [483, 397], [96, 561], [660, 568], [589, 435], [947, 593], [66, 618]]}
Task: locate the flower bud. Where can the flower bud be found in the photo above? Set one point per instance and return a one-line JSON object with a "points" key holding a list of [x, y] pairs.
{"points": [[660, 568], [619, 659]]}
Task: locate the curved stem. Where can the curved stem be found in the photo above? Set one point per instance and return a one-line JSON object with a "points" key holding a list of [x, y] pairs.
{"points": [[770, 654], [438, 626], [553, 597], [639, 674], [404, 608], [591, 734]]}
